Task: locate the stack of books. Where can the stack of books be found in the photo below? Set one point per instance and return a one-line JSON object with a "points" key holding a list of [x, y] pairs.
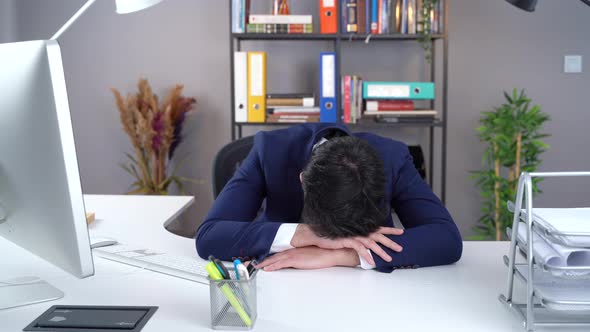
{"points": [[398, 110], [352, 98], [398, 101], [280, 24], [243, 22], [389, 16], [291, 108]]}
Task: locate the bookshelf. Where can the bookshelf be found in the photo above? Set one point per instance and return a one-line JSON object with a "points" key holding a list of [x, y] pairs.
{"points": [[439, 47]]}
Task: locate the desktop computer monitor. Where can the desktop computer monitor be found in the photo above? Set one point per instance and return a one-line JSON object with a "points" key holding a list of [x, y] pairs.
{"points": [[42, 207]]}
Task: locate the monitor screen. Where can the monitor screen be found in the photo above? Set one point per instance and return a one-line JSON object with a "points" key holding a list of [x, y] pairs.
{"points": [[40, 190]]}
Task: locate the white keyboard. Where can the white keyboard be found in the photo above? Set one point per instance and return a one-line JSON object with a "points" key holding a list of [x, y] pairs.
{"points": [[191, 268]]}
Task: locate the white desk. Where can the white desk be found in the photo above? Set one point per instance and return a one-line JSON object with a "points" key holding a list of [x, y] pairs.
{"points": [[460, 297]]}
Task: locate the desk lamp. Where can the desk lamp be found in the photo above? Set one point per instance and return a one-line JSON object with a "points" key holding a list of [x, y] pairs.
{"points": [[529, 5]]}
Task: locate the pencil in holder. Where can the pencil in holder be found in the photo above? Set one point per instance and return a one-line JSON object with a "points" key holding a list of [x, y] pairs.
{"points": [[233, 303]]}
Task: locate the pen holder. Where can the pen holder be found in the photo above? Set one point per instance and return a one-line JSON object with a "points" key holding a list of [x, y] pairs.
{"points": [[233, 303]]}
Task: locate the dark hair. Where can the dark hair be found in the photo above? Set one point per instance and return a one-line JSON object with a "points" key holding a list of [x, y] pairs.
{"points": [[344, 189]]}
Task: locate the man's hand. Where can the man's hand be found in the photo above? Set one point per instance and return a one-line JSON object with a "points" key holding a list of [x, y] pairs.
{"points": [[304, 237], [309, 258]]}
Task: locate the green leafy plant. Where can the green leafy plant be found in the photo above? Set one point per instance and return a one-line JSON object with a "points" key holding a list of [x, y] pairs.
{"points": [[512, 133], [424, 28]]}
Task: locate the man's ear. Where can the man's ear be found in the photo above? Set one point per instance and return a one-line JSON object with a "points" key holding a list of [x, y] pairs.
{"points": [[301, 177]]}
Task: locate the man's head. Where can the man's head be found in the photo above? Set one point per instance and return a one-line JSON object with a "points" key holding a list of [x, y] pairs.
{"points": [[344, 189]]}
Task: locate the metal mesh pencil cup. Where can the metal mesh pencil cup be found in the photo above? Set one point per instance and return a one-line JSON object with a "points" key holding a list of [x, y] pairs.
{"points": [[233, 303]]}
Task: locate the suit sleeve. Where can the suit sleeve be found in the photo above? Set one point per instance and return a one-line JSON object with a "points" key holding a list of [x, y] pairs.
{"points": [[430, 236], [229, 229]]}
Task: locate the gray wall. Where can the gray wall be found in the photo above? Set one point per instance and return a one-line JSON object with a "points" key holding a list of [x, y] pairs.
{"points": [[493, 47], [7, 21]]}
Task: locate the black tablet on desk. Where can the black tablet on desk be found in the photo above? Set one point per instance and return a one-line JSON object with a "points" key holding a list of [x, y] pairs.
{"points": [[61, 318]]}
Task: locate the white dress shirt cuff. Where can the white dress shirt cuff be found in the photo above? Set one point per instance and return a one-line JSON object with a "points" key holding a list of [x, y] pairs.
{"points": [[283, 238], [364, 264]]}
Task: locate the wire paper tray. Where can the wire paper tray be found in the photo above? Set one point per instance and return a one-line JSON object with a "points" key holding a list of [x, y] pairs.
{"points": [[556, 293], [566, 238], [565, 272], [549, 318], [566, 300]]}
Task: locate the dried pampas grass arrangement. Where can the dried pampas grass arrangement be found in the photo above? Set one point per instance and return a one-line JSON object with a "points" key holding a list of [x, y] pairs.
{"points": [[155, 131]]}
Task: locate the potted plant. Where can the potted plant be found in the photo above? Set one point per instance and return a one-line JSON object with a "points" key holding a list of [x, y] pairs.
{"points": [[424, 28], [513, 138], [155, 131]]}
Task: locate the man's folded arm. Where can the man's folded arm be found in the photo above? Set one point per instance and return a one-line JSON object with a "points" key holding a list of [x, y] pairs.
{"points": [[430, 235], [229, 229]]}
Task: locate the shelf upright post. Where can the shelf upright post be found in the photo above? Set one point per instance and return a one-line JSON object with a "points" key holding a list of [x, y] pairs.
{"points": [[231, 69]]}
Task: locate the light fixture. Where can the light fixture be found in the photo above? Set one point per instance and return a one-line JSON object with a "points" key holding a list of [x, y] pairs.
{"points": [[529, 5], [123, 7], [130, 6]]}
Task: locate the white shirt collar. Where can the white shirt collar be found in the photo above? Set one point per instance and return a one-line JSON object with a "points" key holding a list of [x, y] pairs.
{"points": [[322, 141]]}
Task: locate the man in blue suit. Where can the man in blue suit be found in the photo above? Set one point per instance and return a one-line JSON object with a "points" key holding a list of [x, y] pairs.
{"points": [[327, 196]]}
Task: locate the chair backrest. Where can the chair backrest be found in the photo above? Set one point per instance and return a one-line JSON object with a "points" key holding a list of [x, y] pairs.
{"points": [[418, 156], [228, 160], [230, 157]]}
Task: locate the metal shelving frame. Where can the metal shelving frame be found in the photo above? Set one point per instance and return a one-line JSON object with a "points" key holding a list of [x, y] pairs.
{"points": [[236, 40]]}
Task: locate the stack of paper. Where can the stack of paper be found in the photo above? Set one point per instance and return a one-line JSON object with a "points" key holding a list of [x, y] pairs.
{"points": [[556, 255], [575, 220]]}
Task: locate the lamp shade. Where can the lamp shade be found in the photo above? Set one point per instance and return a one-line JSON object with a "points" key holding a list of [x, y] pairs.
{"points": [[528, 5], [130, 6]]}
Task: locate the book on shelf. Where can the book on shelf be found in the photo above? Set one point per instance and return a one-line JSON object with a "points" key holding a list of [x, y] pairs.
{"points": [[281, 19], [305, 101], [390, 105], [352, 98], [389, 16], [351, 16], [362, 16], [280, 7], [411, 13], [413, 120], [410, 114], [290, 110], [328, 85], [256, 86], [417, 116], [282, 28], [383, 16], [328, 17], [398, 90], [279, 118], [289, 95], [241, 86], [240, 14]]}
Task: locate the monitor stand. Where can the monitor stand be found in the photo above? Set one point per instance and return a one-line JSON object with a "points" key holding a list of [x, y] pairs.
{"points": [[26, 290]]}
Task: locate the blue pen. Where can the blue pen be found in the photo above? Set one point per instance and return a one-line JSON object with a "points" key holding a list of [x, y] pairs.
{"points": [[243, 287], [236, 263], [241, 270]]}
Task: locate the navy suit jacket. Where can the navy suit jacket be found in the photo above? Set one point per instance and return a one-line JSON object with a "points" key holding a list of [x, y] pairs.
{"points": [[270, 173]]}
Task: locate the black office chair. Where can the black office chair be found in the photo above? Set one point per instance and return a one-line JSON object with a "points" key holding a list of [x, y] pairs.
{"points": [[418, 157], [230, 157], [227, 161]]}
